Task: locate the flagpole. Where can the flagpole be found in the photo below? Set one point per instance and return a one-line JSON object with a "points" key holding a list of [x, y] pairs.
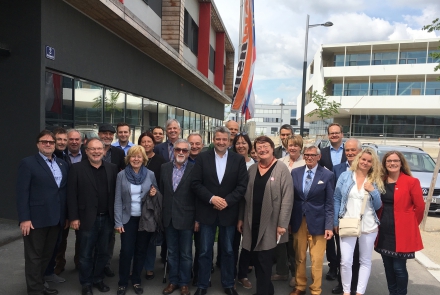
{"points": [[240, 36]]}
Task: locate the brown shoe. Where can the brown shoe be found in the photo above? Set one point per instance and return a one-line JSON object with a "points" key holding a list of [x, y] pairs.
{"points": [[297, 292], [245, 282], [277, 277], [184, 290], [169, 289]]}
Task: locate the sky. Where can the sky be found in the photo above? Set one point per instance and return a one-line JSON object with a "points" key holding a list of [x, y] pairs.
{"points": [[280, 27]]}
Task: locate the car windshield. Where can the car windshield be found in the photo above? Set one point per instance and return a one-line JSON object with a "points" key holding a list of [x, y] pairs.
{"points": [[418, 162]]}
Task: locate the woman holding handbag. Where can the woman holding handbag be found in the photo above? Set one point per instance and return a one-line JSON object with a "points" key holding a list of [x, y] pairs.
{"points": [[402, 211], [357, 196]]}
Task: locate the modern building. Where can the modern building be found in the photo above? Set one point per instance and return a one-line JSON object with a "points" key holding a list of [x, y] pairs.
{"points": [[385, 88], [76, 63]]}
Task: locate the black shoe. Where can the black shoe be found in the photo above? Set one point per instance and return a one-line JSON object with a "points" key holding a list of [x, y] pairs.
{"points": [[200, 291], [337, 290], [195, 281], [138, 289], [86, 290], [149, 277], [49, 291], [353, 293], [332, 274], [101, 287], [231, 291], [108, 272], [121, 290]]}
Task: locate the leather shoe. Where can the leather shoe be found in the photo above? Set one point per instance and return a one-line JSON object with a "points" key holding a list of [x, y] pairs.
{"points": [[170, 289], [121, 290], [148, 276], [277, 277], [138, 289], [200, 291], [49, 291], [86, 290], [332, 274], [337, 290], [231, 291], [246, 283], [184, 290], [297, 292], [101, 287], [108, 272]]}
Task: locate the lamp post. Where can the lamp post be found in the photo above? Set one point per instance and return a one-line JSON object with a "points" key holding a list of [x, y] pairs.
{"points": [[281, 118], [303, 97]]}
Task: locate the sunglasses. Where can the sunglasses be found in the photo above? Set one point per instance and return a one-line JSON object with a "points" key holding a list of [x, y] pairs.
{"points": [[179, 150]]}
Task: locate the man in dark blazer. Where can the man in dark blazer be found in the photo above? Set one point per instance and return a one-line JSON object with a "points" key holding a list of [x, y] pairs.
{"points": [[352, 148], [178, 216], [312, 218], [90, 199], [41, 205], [331, 156], [285, 131], [219, 182], [165, 149]]}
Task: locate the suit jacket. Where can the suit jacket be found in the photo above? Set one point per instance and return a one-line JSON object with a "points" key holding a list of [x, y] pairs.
{"points": [[117, 158], [82, 193], [318, 205], [326, 159], [179, 206], [278, 152], [122, 207], [232, 188], [339, 169], [39, 199], [275, 210], [162, 149]]}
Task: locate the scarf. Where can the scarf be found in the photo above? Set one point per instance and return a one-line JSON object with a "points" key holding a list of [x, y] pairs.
{"points": [[136, 178]]}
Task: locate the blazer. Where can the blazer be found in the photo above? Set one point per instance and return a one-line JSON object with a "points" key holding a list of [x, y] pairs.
{"points": [[278, 152], [318, 205], [82, 193], [232, 188], [162, 149], [326, 159], [178, 207], [117, 158], [122, 207], [298, 163], [275, 210], [39, 199], [339, 169], [409, 207]]}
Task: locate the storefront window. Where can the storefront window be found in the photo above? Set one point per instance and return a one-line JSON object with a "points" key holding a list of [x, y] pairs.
{"points": [[58, 100], [149, 114], [88, 104], [114, 105], [163, 114]]}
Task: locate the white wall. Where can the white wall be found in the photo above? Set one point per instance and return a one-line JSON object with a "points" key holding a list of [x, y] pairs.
{"points": [[145, 14], [192, 6]]}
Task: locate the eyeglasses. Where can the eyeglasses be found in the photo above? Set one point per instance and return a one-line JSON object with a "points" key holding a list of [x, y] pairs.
{"points": [[95, 149], [179, 150], [241, 133], [263, 147], [334, 133], [310, 155], [44, 142], [392, 161]]}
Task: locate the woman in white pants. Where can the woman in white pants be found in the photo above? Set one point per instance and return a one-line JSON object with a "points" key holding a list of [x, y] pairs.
{"points": [[364, 176]]}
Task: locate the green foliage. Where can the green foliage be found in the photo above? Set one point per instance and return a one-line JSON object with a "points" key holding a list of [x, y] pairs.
{"points": [[325, 108], [109, 103], [434, 26]]}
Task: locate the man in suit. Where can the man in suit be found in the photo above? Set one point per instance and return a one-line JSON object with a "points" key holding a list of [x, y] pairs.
{"points": [[74, 152], [158, 135], [91, 198], [178, 216], [219, 182], [165, 149], [285, 131], [312, 218], [352, 148], [331, 156], [41, 206]]}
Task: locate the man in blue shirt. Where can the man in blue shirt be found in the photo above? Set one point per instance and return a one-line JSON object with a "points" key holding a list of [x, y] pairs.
{"points": [[123, 132]]}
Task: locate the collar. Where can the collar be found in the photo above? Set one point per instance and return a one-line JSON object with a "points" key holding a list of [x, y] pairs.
{"points": [[54, 158], [341, 147], [70, 154], [313, 169], [183, 165], [225, 155]]}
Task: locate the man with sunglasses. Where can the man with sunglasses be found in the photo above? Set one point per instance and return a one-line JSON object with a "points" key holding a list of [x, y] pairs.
{"points": [[178, 215], [41, 204]]}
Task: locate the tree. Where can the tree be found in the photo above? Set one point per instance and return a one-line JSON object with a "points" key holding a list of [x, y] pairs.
{"points": [[434, 26], [109, 103], [325, 108]]}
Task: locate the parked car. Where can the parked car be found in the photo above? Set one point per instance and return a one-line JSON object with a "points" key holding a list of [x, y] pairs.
{"points": [[421, 165]]}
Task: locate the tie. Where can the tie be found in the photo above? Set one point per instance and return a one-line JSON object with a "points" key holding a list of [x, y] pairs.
{"points": [[308, 183], [171, 152]]}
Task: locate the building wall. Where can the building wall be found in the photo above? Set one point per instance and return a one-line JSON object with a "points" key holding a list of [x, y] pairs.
{"points": [[145, 14]]}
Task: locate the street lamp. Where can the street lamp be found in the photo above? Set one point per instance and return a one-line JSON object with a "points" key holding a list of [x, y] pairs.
{"points": [[281, 118], [303, 97]]}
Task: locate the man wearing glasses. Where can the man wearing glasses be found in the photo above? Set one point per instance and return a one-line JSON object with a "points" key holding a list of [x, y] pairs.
{"points": [[330, 157], [91, 198], [312, 218], [178, 216], [41, 205]]}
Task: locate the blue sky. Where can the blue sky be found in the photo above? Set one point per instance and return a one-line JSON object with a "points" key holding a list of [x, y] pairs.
{"points": [[280, 32]]}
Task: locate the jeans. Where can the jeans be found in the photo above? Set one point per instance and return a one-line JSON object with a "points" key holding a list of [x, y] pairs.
{"points": [[179, 255], [151, 257], [396, 273], [94, 241], [226, 240], [134, 245]]}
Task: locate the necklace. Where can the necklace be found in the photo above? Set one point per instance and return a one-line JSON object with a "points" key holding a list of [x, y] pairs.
{"points": [[265, 167]]}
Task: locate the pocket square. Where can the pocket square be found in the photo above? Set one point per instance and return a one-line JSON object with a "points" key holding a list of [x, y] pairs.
{"points": [[320, 182]]}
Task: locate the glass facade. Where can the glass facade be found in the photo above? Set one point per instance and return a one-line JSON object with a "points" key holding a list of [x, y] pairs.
{"points": [[362, 59], [386, 88], [75, 103], [383, 88], [356, 89], [384, 58]]}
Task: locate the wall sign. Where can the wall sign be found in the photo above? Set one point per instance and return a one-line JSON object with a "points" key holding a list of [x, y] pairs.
{"points": [[50, 52]]}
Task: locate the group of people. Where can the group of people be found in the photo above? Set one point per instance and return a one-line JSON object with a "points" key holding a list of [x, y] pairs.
{"points": [[276, 203]]}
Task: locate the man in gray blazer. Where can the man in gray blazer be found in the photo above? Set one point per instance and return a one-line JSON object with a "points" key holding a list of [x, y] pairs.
{"points": [[178, 216]]}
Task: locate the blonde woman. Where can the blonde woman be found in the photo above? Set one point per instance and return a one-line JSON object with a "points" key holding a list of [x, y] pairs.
{"points": [[364, 176], [294, 145]]}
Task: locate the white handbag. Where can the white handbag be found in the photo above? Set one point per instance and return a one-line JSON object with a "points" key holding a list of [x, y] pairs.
{"points": [[351, 227]]}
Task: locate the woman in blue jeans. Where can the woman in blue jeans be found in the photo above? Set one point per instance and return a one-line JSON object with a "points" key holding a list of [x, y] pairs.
{"points": [[400, 216], [135, 187]]}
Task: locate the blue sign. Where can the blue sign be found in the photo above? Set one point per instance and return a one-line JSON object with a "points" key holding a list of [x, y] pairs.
{"points": [[50, 52]]}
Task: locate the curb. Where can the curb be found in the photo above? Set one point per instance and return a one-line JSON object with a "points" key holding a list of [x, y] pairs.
{"points": [[426, 262]]}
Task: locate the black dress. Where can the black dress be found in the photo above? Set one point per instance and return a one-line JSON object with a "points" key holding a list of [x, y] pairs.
{"points": [[386, 243], [154, 164]]}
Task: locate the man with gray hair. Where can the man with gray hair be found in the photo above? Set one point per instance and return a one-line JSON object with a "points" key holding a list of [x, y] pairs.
{"points": [[165, 149], [219, 182], [196, 142]]}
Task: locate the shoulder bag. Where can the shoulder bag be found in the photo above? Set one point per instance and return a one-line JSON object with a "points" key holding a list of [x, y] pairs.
{"points": [[351, 227]]}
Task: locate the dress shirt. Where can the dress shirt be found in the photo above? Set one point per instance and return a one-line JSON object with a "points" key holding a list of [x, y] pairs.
{"points": [[177, 174], [53, 166], [220, 165], [125, 148], [312, 175], [283, 152], [75, 159], [108, 156], [348, 166], [336, 155]]}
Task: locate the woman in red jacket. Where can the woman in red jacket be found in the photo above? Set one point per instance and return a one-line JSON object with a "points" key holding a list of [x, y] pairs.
{"points": [[400, 216]]}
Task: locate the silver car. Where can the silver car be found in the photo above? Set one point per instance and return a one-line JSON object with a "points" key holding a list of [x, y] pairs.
{"points": [[421, 165]]}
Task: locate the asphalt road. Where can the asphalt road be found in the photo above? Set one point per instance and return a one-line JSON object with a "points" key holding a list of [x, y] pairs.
{"points": [[13, 281]]}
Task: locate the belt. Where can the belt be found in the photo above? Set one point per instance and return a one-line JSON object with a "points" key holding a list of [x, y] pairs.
{"points": [[102, 214]]}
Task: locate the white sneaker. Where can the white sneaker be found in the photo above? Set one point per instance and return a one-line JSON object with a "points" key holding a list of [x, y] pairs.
{"points": [[54, 278]]}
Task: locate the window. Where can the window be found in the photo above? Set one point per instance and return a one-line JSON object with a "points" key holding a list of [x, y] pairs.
{"points": [[190, 33], [410, 88], [58, 100], [114, 104], [337, 89], [383, 88], [356, 89], [433, 59], [362, 59], [293, 113], [156, 6], [384, 58], [293, 122], [432, 88], [88, 104], [273, 130], [412, 57], [338, 60], [211, 59]]}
